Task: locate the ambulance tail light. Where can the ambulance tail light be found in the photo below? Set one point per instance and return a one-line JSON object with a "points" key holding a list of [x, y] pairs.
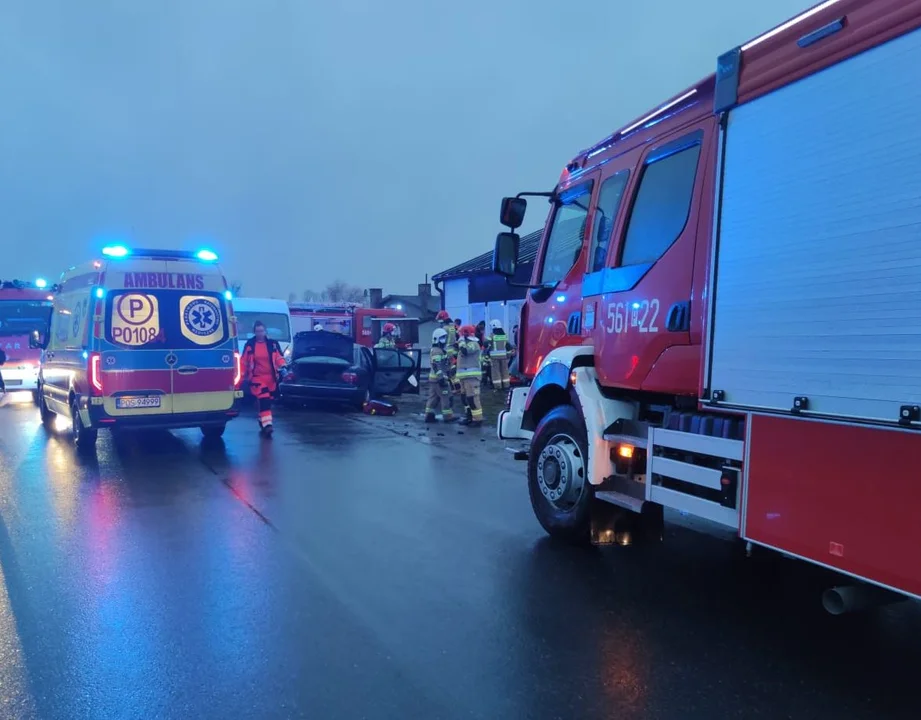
{"points": [[95, 372], [237, 370]]}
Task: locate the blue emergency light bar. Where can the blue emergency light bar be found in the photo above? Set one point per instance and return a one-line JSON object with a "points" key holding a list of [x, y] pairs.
{"points": [[120, 251]]}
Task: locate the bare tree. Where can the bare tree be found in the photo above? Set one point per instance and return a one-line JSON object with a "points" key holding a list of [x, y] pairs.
{"points": [[341, 291], [292, 297], [236, 287]]}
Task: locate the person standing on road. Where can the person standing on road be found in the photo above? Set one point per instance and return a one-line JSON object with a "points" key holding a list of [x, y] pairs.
{"points": [[439, 386], [445, 323], [469, 374], [387, 340], [264, 364], [498, 356]]}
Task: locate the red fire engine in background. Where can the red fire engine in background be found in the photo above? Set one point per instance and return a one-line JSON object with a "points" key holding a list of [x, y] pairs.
{"points": [[723, 316], [362, 324], [25, 317]]}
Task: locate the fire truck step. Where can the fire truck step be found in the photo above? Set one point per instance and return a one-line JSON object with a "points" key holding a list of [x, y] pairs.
{"points": [[625, 501]]}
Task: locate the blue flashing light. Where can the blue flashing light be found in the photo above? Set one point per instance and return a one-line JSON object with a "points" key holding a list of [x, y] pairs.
{"points": [[635, 306], [550, 320], [100, 293], [228, 295], [86, 355], [561, 298], [116, 251], [206, 255], [41, 283]]}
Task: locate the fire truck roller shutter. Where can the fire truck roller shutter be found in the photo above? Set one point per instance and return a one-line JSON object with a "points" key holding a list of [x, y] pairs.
{"points": [[818, 279]]}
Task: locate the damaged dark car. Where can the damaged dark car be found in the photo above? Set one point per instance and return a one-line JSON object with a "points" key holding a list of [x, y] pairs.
{"points": [[331, 367]]}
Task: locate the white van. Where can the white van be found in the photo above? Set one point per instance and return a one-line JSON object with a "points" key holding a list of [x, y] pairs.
{"points": [[274, 315]]}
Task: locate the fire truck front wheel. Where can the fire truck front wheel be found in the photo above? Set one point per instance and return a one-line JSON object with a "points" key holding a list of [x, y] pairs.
{"points": [[558, 475]]}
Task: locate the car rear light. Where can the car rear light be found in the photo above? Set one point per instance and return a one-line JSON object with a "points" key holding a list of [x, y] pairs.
{"points": [[350, 377], [237, 369], [95, 373]]}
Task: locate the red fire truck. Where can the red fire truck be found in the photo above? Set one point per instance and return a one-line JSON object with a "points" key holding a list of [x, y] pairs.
{"points": [[723, 318], [362, 324], [25, 315]]}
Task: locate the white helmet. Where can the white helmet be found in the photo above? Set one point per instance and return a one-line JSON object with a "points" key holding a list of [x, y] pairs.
{"points": [[495, 324], [440, 336], [318, 328]]}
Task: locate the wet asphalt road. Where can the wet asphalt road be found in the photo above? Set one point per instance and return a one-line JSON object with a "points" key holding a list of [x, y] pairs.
{"points": [[348, 570]]}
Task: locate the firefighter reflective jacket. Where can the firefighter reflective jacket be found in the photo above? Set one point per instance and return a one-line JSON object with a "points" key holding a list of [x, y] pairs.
{"points": [[386, 342], [468, 359], [498, 345], [440, 364], [451, 345]]}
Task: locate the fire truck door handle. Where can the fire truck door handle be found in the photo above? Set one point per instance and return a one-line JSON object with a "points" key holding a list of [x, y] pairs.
{"points": [[187, 370], [679, 316]]}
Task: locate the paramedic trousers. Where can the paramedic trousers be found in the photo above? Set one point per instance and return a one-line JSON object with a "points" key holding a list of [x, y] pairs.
{"points": [[439, 397], [499, 367], [263, 389], [471, 390]]}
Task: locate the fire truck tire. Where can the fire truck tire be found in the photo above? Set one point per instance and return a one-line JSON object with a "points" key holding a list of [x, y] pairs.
{"points": [[558, 475]]}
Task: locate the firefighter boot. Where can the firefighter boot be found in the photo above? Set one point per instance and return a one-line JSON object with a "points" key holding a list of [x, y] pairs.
{"points": [[430, 417]]}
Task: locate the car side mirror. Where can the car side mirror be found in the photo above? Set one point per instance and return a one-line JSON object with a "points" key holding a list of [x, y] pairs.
{"points": [[37, 340], [512, 212], [505, 256]]}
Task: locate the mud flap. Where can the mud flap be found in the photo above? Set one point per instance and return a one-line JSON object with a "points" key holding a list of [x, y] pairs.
{"points": [[615, 525]]}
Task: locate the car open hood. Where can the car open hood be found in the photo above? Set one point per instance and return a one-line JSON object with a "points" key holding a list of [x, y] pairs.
{"points": [[323, 344]]}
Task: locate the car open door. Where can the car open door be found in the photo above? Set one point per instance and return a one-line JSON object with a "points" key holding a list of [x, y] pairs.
{"points": [[396, 372]]}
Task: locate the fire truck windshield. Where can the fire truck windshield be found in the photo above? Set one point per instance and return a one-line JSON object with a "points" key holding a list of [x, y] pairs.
{"points": [[21, 317]]}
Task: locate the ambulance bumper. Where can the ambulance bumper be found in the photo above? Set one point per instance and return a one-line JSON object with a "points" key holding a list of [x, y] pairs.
{"points": [[172, 421]]}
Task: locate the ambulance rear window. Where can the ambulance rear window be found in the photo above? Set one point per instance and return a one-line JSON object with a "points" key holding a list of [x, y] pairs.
{"points": [[174, 319]]}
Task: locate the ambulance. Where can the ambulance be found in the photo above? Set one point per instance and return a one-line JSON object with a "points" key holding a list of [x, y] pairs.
{"points": [[141, 339]]}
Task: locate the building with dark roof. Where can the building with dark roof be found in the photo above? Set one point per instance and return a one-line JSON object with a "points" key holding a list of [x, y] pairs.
{"points": [[472, 292]]}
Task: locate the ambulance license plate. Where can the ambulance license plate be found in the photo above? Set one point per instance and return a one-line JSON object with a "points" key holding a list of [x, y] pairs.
{"points": [[135, 403]]}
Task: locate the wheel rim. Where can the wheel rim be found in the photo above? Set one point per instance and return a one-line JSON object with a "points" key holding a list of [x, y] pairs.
{"points": [[561, 472]]}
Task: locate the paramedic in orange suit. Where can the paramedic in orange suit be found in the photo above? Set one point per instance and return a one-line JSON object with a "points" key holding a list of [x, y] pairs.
{"points": [[264, 365]]}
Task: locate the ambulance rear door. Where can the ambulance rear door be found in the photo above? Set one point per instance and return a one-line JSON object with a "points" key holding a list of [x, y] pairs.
{"points": [[169, 346]]}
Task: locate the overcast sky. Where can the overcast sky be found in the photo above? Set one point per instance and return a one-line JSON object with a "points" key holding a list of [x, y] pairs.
{"points": [[307, 141]]}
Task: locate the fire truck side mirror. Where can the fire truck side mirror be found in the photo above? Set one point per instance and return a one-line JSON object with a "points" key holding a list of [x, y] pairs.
{"points": [[512, 212], [505, 256], [37, 340]]}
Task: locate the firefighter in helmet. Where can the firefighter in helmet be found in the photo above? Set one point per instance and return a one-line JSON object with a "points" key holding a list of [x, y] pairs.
{"points": [[439, 379], [445, 323], [470, 374], [318, 328], [498, 355], [387, 340], [264, 364]]}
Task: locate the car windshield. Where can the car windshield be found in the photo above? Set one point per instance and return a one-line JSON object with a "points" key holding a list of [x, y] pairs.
{"points": [[277, 326], [166, 318], [21, 317]]}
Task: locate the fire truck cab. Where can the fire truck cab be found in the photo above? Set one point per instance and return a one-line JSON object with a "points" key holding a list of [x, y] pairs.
{"points": [[25, 315], [722, 318]]}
